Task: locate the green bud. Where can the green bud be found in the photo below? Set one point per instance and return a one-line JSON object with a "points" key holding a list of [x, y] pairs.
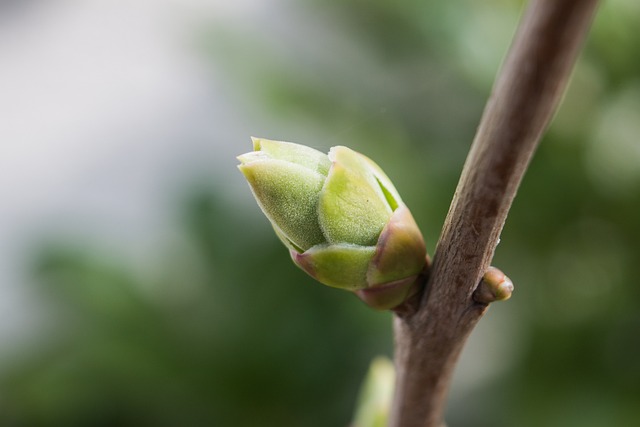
{"points": [[340, 216]]}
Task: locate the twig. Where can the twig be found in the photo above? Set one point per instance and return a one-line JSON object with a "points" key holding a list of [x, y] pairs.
{"points": [[432, 330]]}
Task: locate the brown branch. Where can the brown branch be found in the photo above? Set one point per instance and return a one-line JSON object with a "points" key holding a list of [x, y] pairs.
{"points": [[431, 332]]}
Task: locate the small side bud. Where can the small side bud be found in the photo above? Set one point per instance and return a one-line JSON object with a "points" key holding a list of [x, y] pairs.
{"points": [[494, 286]]}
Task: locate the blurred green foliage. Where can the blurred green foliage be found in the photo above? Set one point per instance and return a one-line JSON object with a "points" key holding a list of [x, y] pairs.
{"points": [[225, 331], [228, 334]]}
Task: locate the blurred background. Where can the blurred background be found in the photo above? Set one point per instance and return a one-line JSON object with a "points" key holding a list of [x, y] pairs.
{"points": [[141, 286]]}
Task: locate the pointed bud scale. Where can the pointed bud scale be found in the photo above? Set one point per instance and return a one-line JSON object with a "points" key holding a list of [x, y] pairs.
{"points": [[340, 216]]}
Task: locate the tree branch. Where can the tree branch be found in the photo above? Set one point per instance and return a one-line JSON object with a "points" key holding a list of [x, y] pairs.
{"points": [[432, 328]]}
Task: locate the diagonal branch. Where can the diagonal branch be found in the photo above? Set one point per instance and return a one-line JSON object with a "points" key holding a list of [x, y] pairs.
{"points": [[431, 330]]}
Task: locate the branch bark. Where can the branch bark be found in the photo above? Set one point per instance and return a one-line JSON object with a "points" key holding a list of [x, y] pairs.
{"points": [[431, 329]]}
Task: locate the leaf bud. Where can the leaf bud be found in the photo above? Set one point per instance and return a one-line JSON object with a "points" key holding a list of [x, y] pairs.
{"points": [[340, 216]]}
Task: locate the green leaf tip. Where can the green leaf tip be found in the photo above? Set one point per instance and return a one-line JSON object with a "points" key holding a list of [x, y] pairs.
{"points": [[376, 394]]}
